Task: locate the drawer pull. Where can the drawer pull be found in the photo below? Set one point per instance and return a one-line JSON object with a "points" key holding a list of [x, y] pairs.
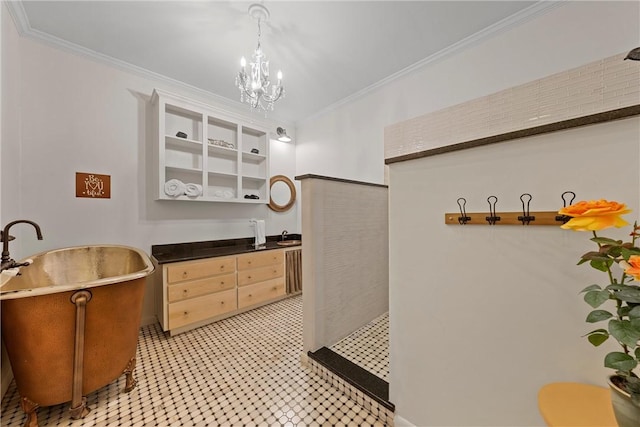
{"points": [[248, 262], [275, 271], [185, 291], [185, 274], [186, 313], [275, 288], [221, 283], [221, 302], [250, 295], [248, 277]]}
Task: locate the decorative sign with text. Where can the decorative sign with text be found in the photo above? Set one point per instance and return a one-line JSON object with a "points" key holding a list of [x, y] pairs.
{"points": [[93, 185]]}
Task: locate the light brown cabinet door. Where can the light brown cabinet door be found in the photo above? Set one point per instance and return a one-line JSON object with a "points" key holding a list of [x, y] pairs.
{"points": [[193, 310], [260, 292], [194, 288], [247, 277], [192, 270], [261, 259]]}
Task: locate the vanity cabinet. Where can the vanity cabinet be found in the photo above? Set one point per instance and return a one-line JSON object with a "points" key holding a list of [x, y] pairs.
{"points": [[260, 277], [221, 155], [198, 292]]}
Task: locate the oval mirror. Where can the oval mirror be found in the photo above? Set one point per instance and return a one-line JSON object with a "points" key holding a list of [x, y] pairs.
{"points": [[282, 193]]}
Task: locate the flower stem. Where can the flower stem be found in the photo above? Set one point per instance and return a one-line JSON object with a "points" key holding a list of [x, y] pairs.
{"points": [[618, 302]]}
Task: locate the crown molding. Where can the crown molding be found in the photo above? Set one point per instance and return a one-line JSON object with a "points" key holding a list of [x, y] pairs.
{"points": [[236, 108], [539, 8], [19, 16], [17, 12]]}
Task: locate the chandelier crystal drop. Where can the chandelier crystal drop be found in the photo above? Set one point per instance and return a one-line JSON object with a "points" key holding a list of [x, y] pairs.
{"points": [[255, 87]]}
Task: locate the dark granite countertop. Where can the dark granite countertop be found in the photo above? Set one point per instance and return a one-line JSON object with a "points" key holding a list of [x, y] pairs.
{"points": [[175, 252]]}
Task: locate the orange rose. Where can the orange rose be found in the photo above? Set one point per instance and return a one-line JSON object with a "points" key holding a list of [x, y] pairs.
{"points": [[634, 267], [594, 215]]}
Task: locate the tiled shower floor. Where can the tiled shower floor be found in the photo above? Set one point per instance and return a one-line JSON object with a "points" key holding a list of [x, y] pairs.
{"points": [[241, 371], [368, 347]]}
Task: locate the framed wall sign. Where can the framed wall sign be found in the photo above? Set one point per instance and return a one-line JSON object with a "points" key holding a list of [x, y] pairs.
{"points": [[93, 185]]}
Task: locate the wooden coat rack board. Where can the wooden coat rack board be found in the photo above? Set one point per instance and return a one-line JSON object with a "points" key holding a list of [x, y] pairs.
{"points": [[524, 217], [506, 218]]}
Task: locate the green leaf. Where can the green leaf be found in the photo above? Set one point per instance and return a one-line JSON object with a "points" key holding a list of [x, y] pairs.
{"points": [[606, 241], [620, 361], [596, 298], [598, 315], [623, 311], [634, 313], [628, 252], [638, 353], [590, 288], [614, 251], [601, 264], [594, 255], [624, 332], [631, 294], [618, 287], [598, 336], [635, 324]]}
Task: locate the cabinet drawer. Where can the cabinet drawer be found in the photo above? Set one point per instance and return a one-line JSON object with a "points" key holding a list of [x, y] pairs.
{"points": [[194, 288], [246, 277], [183, 313], [261, 259], [190, 270], [254, 294]]}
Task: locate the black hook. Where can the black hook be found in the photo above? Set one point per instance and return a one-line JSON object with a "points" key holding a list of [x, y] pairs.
{"points": [[564, 218], [463, 218], [525, 218], [492, 218]]}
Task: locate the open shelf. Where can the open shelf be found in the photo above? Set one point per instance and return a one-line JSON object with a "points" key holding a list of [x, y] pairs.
{"points": [[222, 169], [252, 157]]}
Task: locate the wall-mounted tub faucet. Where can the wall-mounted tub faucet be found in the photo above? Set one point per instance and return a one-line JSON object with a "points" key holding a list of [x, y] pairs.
{"points": [[7, 262]]}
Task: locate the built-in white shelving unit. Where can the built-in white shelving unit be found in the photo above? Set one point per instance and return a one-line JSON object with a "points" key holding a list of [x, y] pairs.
{"points": [[216, 153]]}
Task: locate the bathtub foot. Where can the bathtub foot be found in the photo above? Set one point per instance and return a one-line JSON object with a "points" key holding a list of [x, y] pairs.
{"points": [[81, 410], [29, 408], [128, 371]]}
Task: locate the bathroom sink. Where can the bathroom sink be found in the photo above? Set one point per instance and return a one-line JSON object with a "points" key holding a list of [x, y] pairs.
{"points": [[289, 242]]}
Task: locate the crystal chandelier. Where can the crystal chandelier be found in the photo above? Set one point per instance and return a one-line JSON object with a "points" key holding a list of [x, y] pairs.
{"points": [[256, 88]]}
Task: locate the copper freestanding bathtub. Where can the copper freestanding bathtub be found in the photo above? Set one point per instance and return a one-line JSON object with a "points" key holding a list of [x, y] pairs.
{"points": [[70, 323]]}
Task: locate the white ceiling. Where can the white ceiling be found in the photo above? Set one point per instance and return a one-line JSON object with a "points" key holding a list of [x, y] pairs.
{"points": [[327, 50]]}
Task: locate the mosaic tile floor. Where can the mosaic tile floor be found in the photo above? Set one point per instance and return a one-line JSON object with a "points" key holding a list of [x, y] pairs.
{"points": [[368, 347], [241, 371]]}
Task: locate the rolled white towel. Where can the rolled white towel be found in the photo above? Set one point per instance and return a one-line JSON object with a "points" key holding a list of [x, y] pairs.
{"points": [[174, 188], [193, 190]]}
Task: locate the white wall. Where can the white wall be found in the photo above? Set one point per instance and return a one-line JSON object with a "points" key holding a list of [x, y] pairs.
{"points": [[499, 307], [348, 142], [74, 114]]}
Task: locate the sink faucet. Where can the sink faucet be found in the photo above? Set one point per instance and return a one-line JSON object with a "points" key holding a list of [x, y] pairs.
{"points": [[284, 234], [7, 262]]}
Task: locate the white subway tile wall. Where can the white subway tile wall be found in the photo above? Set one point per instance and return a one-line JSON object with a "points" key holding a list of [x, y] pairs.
{"points": [[604, 85]]}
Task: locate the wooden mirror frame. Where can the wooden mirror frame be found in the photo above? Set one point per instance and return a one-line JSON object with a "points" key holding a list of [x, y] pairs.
{"points": [[273, 205]]}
